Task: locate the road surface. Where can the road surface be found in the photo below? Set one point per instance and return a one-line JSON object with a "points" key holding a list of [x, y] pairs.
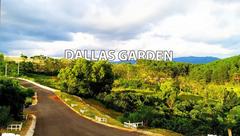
{"points": [[54, 118]]}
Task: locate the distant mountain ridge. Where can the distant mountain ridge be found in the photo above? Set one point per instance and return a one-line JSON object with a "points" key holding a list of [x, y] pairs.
{"points": [[196, 60], [190, 59]]}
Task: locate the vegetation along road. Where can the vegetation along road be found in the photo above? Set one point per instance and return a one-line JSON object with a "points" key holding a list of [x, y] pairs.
{"points": [[54, 118]]}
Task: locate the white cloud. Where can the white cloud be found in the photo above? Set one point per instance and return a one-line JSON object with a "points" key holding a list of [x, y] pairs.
{"points": [[145, 41], [206, 21], [188, 27]]}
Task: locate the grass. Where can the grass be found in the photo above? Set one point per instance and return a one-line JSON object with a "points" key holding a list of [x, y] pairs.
{"points": [[186, 96], [136, 91], [90, 111], [164, 132], [100, 107], [50, 81]]}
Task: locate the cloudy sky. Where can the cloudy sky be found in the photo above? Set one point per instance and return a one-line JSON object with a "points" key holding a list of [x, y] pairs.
{"points": [[188, 27]]}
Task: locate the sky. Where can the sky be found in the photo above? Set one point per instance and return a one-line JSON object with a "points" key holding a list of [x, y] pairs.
{"points": [[187, 27]]}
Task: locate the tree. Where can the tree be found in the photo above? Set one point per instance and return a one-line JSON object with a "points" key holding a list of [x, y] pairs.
{"points": [[5, 117], [87, 78], [230, 100], [1, 57], [12, 95], [232, 118], [23, 57], [101, 77]]}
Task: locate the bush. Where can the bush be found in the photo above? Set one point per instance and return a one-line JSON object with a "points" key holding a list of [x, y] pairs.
{"points": [[145, 114], [28, 92], [87, 78], [5, 117], [28, 101], [12, 95]]}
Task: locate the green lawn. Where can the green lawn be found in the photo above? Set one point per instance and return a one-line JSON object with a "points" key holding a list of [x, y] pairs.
{"points": [[50, 81], [90, 110], [99, 106], [164, 132]]}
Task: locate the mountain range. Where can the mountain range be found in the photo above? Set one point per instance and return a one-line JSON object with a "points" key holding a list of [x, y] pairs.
{"points": [[190, 59], [196, 60]]}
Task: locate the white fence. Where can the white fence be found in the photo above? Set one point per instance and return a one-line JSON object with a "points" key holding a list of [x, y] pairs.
{"points": [[133, 125], [15, 127], [101, 119]]}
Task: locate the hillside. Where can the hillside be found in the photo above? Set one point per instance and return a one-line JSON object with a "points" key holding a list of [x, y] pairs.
{"points": [[220, 71]]}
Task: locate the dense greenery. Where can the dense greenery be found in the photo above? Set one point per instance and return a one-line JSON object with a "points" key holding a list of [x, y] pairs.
{"points": [[218, 71], [182, 97], [5, 116], [12, 100], [86, 78], [36, 64]]}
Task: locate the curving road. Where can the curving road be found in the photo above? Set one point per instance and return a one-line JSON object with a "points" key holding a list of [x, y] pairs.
{"points": [[54, 118]]}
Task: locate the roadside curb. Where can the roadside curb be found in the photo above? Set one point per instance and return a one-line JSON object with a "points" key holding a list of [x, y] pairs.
{"points": [[112, 126], [30, 131], [39, 85]]}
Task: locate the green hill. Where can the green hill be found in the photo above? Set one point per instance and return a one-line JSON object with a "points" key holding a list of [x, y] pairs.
{"points": [[220, 71]]}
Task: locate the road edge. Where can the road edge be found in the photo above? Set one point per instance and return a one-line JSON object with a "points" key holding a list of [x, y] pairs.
{"points": [[31, 129]]}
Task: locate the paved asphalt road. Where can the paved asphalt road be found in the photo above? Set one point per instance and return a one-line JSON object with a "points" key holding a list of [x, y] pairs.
{"points": [[54, 118]]}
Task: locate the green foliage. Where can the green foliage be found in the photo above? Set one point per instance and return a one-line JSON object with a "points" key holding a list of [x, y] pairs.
{"points": [[146, 114], [230, 100], [5, 117], [26, 67], [50, 81], [172, 69], [12, 95], [42, 65], [28, 101], [220, 71], [12, 68], [1, 57], [2, 68], [124, 102], [87, 78], [24, 57], [101, 77]]}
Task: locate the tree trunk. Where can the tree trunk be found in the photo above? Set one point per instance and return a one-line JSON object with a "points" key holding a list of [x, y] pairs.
{"points": [[229, 132]]}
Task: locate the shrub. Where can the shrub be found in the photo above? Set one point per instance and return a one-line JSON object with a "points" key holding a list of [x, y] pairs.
{"points": [[5, 117]]}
